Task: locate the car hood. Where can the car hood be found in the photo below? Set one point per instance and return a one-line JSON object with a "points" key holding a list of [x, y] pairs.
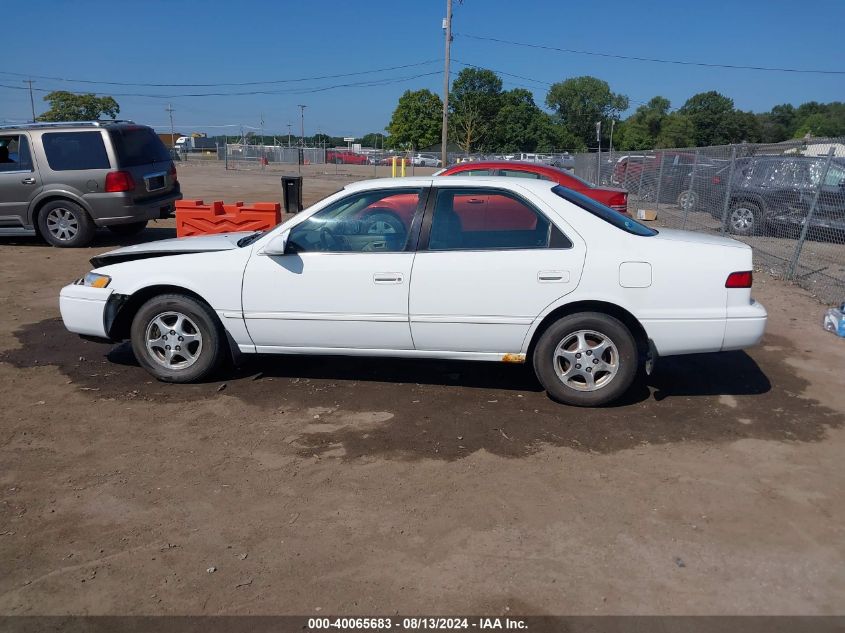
{"points": [[166, 248], [676, 235]]}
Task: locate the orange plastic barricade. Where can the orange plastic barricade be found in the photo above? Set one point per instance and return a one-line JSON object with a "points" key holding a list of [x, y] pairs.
{"points": [[194, 217]]}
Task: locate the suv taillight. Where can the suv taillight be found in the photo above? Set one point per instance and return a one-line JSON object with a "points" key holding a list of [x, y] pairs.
{"points": [[173, 176], [740, 279], [119, 181]]}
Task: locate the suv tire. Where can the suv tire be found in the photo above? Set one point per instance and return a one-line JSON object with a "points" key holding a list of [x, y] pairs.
{"points": [[65, 224], [571, 369], [128, 229], [166, 323], [744, 218]]}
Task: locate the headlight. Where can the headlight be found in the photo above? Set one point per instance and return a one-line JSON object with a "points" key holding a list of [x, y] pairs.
{"points": [[94, 280]]}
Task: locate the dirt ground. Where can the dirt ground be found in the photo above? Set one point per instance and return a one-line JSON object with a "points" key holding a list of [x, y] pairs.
{"points": [[367, 486]]}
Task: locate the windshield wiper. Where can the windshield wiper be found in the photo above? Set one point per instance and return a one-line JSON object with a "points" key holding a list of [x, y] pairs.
{"points": [[249, 239]]}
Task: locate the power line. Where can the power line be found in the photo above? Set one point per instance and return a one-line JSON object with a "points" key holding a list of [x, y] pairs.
{"points": [[361, 84], [221, 85], [653, 59]]}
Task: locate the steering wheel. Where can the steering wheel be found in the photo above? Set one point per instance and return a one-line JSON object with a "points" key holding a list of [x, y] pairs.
{"points": [[331, 242]]}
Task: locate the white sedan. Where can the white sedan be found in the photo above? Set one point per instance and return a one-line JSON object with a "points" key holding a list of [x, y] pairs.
{"points": [[468, 268]]}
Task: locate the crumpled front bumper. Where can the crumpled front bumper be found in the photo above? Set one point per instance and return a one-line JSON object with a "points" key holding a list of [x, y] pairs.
{"points": [[84, 308]]}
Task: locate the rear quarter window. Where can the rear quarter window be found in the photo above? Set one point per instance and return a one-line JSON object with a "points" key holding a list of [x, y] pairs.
{"points": [[71, 151], [138, 146], [622, 222]]}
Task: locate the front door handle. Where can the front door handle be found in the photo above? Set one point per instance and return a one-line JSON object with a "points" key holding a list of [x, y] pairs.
{"points": [[553, 276], [387, 278], [28, 181], [475, 201]]}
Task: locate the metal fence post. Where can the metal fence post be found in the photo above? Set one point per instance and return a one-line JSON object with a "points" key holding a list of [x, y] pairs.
{"points": [[640, 185], [727, 202], [691, 183], [226, 155], [659, 182], [806, 227]]}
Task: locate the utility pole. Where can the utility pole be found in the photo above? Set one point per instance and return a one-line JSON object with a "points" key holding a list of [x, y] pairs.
{"points": [[444, 137], [261, 127], [31, 100], [302, 123], [612, 125], [169, 110], [289, 134]]}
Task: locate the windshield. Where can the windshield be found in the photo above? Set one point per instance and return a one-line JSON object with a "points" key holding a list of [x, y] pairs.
{"points": [[627, 224]]}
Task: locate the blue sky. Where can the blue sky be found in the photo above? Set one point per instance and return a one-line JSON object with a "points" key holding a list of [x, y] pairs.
{"points": [[189, 41]]}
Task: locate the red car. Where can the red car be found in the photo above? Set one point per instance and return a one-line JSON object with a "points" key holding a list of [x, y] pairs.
{"points": [[345, 158], [487, 212], [616, 199]]}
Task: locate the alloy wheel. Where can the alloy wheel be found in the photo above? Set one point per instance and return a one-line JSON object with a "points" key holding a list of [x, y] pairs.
{"points": [[586, 360], [173, 340]]}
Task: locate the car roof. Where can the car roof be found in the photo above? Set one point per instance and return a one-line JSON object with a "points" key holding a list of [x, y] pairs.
{"points": [[500, 182], [50, 125], [505, 164]]}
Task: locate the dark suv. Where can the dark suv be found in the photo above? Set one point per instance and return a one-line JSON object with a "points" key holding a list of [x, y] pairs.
{"points": [[778, 191], [62, 180]]}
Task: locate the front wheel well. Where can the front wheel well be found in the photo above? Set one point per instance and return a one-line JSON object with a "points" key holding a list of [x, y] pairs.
{"points": [[611, 309], [123, 308]]}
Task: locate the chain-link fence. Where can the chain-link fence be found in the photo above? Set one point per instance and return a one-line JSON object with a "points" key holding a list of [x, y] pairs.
{"points": [[786, 200]]}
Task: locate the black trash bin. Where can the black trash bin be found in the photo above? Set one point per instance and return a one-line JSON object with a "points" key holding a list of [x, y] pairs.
{"points": [[292, 193]]}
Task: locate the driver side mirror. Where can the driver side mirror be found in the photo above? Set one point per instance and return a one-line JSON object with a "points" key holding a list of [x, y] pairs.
{"points": [[278, 245]]}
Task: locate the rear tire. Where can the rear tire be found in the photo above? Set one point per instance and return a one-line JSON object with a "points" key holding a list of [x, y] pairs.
{"points": [[744, 218], [65, 224], [688, 200], [177, 338], [128, 229], [586, 359]]}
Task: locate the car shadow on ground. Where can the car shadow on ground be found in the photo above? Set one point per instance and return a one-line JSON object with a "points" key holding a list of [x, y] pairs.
{"points": [[450, 409]]}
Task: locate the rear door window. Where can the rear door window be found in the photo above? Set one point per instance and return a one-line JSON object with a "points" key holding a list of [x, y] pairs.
{"points": [[14, 153], [136, 146], [70, 151]]}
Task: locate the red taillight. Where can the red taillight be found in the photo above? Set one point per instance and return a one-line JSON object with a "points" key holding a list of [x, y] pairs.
{"points": [[739, 280], [173, 176], [716, 180], [119, 181]]}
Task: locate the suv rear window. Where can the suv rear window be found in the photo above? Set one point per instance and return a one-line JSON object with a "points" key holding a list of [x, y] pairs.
{"points": [[138, 146], [67, 151], [629, 225]]}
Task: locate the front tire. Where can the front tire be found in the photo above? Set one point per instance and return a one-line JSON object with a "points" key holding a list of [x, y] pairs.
{"points": [[586, 359], [65, 224], [688, 200], [177, 338]]}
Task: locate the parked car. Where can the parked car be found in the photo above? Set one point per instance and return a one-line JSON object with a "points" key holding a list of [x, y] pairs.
{"points": [[62, 180], [586, 295], [616, 199], [388, 160], [426, 160], [776, 192], [339, 157]]}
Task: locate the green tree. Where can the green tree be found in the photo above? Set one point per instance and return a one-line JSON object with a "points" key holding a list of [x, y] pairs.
{"points": [[67, 106], [711, 115], [515, 125], [642, 129], [474, 101], [417, 120], [373, 139], [579, 102], [677, 131]]}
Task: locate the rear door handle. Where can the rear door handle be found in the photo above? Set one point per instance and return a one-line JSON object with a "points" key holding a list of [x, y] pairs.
{"points": [[553, 276], [28, 181], [387, 278]]}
